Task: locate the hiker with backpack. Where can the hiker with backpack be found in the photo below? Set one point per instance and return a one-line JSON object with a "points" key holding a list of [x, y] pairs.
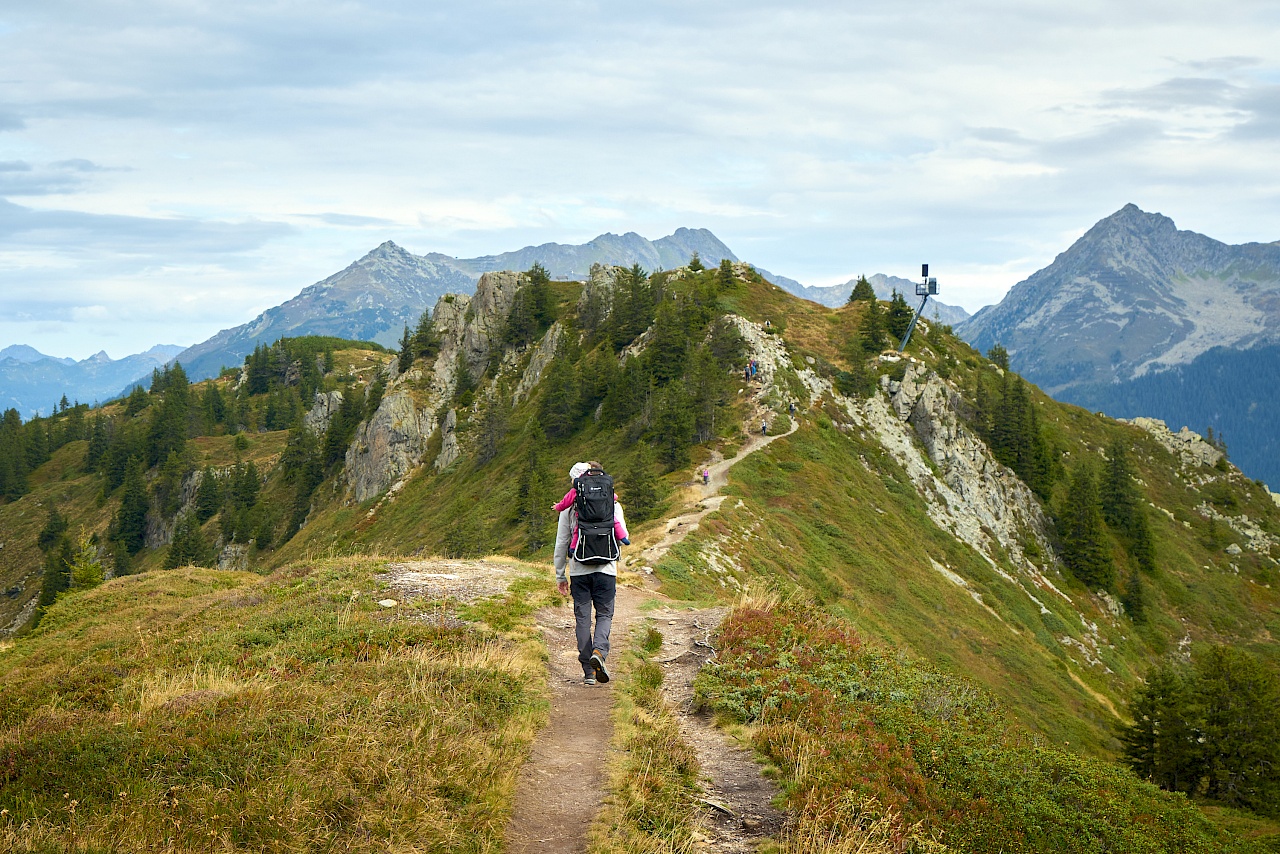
{"points": [[588, 535]]}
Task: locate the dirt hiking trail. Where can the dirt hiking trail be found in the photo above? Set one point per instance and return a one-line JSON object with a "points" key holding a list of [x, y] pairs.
{"points": [[563, 784]]}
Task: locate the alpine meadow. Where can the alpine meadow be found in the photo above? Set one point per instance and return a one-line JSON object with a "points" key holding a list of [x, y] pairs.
{"points": [[307, 604]]}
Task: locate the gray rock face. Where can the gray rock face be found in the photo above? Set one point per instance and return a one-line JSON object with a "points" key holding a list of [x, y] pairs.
{"points": [[234, 556], [542, 356], [1133, 295], [1187, 445], [449, 448], [323, 408], [387, 446]]}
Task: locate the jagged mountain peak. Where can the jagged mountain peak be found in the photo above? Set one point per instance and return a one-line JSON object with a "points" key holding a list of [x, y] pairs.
{"points": [[1133, 295]]}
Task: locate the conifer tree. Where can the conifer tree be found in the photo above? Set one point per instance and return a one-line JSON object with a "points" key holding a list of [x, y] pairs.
{"points": [[405, 358], [871, 330], [559, 403], [1084, 547], [695, 264], [208, 496], [57, 574], [862, 291], [426, 343], [669, 346], [85, 568], [673, 424], [639, 486], [999, 356], [137, 401], [490, 426], [1122, 507], [189, 546], [534, 495], [898, 317], [726, 281], [131, 519]]}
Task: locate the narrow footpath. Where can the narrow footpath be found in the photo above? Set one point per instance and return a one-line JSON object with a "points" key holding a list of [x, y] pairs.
{"points": [[562, 785]]}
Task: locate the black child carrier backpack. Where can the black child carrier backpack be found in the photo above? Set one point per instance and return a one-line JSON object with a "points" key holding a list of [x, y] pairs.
{"points": [[594, 506]]}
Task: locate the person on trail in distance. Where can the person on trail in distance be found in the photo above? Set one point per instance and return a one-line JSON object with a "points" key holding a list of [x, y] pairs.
{"points": [[589, 570]]}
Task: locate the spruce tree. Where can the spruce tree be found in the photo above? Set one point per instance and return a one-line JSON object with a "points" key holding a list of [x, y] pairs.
{"points": [[131, 518], [695, 264], [558, 405], [639, 487], [999, 356], [535, 493], [1084, 547], [669, 346], [862, 291], [208, 496], [673, 425], [405, 358], [726, 280], [1122, 507], [898, 317], [189, 546], [57, 575], [871, 330]]}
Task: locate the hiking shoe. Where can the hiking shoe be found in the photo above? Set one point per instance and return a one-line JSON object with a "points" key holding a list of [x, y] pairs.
{"points": [[597, 663], [589, 679]]}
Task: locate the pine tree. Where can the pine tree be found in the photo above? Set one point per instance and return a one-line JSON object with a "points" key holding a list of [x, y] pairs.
{"points": [[673, 425], [208, 496], [57, 575], [726, 280], [405, 359], [862, 291], [426, 343], [85, 567], [1084, 548], [639, 487], [999, 356], [695, 264], [559, 402], [669, 346], [1122, 507], [898, 317], [491, 426], [534, 496], [871, 330], [131, 519], [189, 546]]}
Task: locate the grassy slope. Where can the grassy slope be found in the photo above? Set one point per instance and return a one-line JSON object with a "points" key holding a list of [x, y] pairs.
{"points": [[195, 709]]}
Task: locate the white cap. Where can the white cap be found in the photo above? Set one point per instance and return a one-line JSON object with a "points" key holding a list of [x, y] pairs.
{"points": [[578, 470]]}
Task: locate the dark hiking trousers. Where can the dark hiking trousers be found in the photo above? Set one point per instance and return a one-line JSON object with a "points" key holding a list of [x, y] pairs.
{"points": [[599, 590]]}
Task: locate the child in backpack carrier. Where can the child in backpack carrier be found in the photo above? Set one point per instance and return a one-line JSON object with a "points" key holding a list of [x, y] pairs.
{"points": [[577, 471]]}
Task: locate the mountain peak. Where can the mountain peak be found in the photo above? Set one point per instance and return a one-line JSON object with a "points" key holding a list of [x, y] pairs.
{"points": [[1133, 218]]}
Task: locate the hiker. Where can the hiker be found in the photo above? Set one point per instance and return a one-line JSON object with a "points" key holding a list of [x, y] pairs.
{"points": [[791, 407], [589, 570], [575, 472], [706, 475], [764, 428]]}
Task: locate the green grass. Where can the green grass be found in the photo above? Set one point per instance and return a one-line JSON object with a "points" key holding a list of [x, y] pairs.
{"points": [[197, 709], [862, 733]]}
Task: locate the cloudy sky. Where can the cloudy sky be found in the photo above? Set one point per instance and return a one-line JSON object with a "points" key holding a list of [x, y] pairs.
{"points": [[169, 168]]}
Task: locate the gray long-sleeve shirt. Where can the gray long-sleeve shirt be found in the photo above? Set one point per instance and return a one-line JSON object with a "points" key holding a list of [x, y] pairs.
{"points": [[564, 533]]}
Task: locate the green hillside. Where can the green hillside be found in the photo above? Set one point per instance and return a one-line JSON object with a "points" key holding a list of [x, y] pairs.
{"points": [[1030, 560]]}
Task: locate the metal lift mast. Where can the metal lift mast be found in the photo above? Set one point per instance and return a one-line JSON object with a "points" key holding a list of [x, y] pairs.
{"points": [[926, 288]]}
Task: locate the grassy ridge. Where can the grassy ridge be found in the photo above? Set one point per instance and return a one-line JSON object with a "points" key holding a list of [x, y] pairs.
{"points": [[199, 709], [864, 736]]}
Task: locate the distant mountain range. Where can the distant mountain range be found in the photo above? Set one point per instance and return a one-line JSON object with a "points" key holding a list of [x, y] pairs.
{"points": [[1138, 317], [32, 382], [884, 286], [375, 297]]}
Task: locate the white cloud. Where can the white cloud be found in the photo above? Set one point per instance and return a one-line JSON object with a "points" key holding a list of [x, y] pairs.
{"points": [[236, 152]]}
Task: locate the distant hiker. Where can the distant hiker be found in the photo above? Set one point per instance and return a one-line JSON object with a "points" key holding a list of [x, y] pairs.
{"points": [[706, 475], [791, 407], [746, 373], [575, 472], [764, 428], [591, 564]]}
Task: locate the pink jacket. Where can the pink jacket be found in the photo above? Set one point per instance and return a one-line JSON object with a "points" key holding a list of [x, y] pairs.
{"points": [[619, 529]]}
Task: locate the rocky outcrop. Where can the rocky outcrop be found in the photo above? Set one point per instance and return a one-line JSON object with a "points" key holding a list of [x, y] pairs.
{"points": [[449, 448], [323, 408], [1187, 445], [387, 446], [542, 356], [234, 556], [486, 317]]}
